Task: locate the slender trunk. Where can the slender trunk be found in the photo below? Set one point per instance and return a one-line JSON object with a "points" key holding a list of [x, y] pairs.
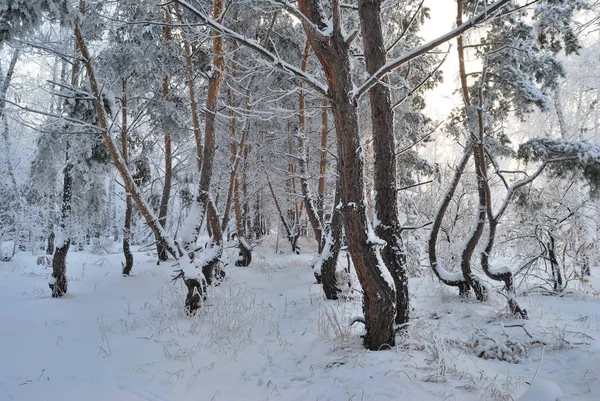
{"points": [[506, 276], [208, 150], [50, 240], [292, 235], [4, 87], [325, 267], [379, 296], [557, 280], [323, 160], [59, 261], [163, 209], [474, 119], [384, 146], [128, 204], [245, 251], [58, 284], [191, 83], [309, 203], [245, 204], [130, 185], [451, 279]]}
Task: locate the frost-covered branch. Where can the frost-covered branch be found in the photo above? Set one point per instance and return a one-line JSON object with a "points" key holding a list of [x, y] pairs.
{"points": [[275, 61], [419, 51]]}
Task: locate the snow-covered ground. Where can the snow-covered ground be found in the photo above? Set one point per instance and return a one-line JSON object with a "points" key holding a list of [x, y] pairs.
{"points": [[266, 333]]}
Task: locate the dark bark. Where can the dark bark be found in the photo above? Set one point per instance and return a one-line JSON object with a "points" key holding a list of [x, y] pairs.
{"points": [[307, 197], [323, 159], [557, 279], [128, 180], [474, 119], [378, 294], [460, 282], [210, 269], [163, 208], [50, 243], [59, 261], [330, 251], [585, 269], [206, 164], [384, 147], [59, 270], [245, 253], [292, 232], [128, 265]]}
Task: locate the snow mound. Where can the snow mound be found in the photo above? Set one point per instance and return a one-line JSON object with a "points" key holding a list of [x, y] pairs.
{"points": [[542, 390]]}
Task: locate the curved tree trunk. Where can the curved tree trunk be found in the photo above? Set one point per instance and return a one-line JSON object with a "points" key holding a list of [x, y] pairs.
{"points": [[384, 147], [474, 122], [451, 279]]}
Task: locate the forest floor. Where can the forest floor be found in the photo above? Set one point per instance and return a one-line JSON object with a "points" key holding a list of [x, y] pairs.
{"points": [[267, 333]]}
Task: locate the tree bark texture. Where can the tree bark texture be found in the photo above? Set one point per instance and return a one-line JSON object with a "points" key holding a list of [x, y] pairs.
{"points": [[208, 155], [453, 280], [330, 250], [309, 202], [59, 261], [163, 208], [128, 265], [474, 121], [323, 160], [384, 147], [379, 296], [130, 185]]}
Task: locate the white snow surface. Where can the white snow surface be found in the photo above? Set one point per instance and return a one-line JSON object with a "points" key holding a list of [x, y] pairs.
{"points": [[267, 333], [542, 390]]}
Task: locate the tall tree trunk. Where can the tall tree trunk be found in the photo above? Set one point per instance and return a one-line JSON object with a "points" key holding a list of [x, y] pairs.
{"points": [[208, 154], [451, 279], [4, 87], [191, 83], [292, 235], [379, 296], [474, 120], [309, 202], [323, 160], [557, 280], [59, 261], [384, 147], [127, 266], [325, 267], [163, 208], [130, 185], [202, 200]]}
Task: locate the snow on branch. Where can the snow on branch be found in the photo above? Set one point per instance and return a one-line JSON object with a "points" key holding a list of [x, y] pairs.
{"points": [[252, 44], [546, 149], [419, 51]]}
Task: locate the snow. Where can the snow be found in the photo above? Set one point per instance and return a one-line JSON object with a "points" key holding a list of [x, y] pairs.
{"points": [[188, 231], [542, 390], [7, 250], [446, 275], [268, 333]]}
